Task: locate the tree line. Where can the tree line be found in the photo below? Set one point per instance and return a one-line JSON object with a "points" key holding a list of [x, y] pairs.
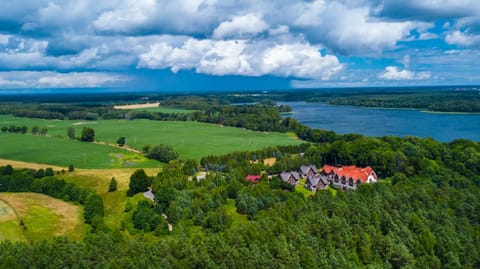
{"points": [[24, 129]]}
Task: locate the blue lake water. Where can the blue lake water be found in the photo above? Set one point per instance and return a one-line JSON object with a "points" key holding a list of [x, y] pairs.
{"points": [[382, 122]]}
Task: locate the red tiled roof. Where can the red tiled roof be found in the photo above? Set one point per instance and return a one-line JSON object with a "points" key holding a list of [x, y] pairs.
{"points": [[252, 178], [356, 173]]}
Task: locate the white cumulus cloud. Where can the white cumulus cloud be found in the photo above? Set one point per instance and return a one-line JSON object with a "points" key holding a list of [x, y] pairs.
{"points": [[127, 17], [394, 73], [242, 57], [241, 26], [462, 39], [299, 60]]}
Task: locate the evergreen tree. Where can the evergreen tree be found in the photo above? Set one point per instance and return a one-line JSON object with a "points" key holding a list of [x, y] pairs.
{"points": [[113, 185], [93, 207]]}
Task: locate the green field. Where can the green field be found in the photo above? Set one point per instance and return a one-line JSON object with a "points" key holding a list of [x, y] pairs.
{"points": [[62, 152], [43, 217], [189, 139]]}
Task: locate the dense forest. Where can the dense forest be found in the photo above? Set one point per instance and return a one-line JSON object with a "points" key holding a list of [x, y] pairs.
{"points": [[422, 214], [452, 101]]}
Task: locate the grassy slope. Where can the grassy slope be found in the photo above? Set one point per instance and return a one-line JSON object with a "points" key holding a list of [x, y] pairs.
{"points": [[99, 179], [9, 224], [44, 217], [190, 139]]}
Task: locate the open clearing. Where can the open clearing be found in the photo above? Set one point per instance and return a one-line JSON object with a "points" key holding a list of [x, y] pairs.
{"points": [[99, 179], [154, 107], [167, 109], [44, 217], [137, 106], [192, 140]]}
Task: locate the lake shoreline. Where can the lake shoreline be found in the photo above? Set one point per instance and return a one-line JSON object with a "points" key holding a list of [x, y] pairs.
{"points": [[378, 122]]}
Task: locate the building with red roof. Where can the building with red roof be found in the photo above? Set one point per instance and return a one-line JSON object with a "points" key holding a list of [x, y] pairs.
{"points": [[348, 177], [253, 178]]}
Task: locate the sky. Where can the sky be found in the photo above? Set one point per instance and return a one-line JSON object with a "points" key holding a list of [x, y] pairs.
{"points": [[227, 44]]}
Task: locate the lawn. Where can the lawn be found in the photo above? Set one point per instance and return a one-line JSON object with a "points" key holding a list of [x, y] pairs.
{"points": [[192, 140], [300, 187], [44, 217], [237, 219]]}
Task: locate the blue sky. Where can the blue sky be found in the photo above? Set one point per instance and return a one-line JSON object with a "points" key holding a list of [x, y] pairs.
{"points": [[227, 44]]}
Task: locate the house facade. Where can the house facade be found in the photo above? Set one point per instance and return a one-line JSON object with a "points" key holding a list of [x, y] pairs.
{"points": [[291, 177], [308, 171]]}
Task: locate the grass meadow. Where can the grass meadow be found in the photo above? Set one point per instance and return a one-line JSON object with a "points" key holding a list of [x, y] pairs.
{"points": [[63, 152], [43, 218], [191, 140], [114, 202]]}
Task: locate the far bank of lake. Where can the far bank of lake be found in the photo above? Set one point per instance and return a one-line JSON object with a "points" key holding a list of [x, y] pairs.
{"points": [[382, 122]]}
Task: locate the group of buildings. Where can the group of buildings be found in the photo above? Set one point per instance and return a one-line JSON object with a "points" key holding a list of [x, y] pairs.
{"points": [[341, 177]]}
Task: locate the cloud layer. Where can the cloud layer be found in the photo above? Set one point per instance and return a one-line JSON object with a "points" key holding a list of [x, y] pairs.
{"points": [[242, 57], [319, 40], [49, 79]]}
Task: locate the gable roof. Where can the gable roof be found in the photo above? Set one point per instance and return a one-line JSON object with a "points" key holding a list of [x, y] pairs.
{"points": [[286, 175], [313, 181], [304, 169], [351, 171]]}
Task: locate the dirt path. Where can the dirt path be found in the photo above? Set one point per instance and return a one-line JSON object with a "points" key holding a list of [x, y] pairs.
{"points": [[117, 146], [149, 195]]}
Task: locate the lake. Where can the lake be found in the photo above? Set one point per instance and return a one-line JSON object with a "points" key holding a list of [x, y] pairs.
{"points": [[382, 122]]}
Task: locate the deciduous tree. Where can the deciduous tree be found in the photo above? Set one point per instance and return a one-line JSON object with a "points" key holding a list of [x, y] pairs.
{"points": [[139, 182], [88, 134]]}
